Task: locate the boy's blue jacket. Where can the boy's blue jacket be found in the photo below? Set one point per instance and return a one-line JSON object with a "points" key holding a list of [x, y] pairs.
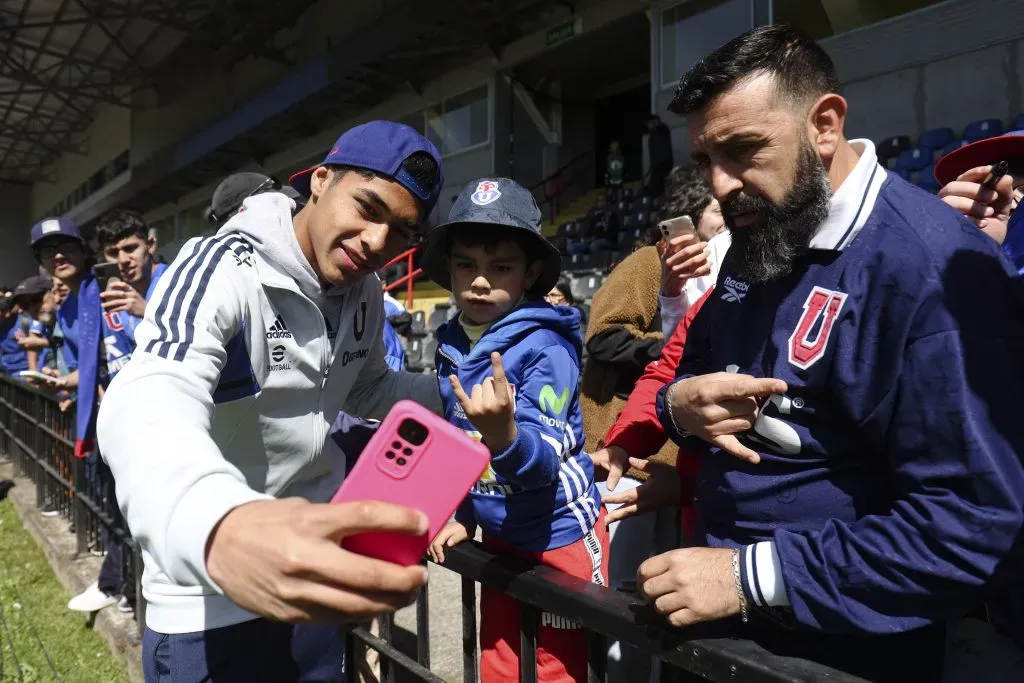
{"points": [[539, 494]]}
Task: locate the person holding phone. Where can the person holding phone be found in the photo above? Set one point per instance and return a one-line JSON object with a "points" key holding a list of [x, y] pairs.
{"points": [[253, 341], [509, 367]]}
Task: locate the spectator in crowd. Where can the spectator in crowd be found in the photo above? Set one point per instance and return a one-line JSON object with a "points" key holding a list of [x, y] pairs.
{"points": [[207, 429], [688, 194], [230, 195], [961, 173], [624, 335], [561, 295], [394, 352], [600, 226], [537, 498], [615, 166], [659, 155], [826, 460], [29, 334], [124, 240]]}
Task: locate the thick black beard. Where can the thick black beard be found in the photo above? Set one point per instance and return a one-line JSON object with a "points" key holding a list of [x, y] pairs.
{"points": [[782, 233]]}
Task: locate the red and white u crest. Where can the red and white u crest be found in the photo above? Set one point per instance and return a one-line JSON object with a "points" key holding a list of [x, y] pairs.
{"points": [[824, 305]]}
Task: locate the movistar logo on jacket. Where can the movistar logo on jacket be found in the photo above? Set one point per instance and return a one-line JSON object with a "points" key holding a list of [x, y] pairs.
{"points": [[551, 402]]}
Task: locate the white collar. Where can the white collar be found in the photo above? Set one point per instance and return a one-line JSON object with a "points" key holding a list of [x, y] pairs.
{"points": [[853, 201]]}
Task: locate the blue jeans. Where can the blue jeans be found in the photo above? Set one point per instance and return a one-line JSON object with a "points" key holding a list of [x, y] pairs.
{"points": [[631, 542], [257, 650]]}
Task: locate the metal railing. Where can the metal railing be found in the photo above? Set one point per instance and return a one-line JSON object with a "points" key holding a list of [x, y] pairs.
{"points": [[411, 273], [39, 438], [606, 614], [548, 192]]}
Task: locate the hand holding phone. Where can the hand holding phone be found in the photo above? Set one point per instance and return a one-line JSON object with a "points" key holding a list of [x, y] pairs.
{"points": [[418, 460], [674, 227], [105, 274]]}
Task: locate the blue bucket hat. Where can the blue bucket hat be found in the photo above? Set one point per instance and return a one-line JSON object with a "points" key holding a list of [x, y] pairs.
{"points": [[488, 203], [381, 147]]}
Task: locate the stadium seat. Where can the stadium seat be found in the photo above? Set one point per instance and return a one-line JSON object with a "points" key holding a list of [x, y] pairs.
{"points": [[936, 138], [438, 316], [429, 350], [414, 355], [628, 194], [890, 148], [580, 263], [625, 241], [622, 207], [926, 180], [584, 288], [914, 159], [418, 328], [952, 147], [1017, 123], [981, 130]]}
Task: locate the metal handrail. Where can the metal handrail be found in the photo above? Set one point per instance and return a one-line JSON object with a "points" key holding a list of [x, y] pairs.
{"points": [[410, 276], [556, 184]]}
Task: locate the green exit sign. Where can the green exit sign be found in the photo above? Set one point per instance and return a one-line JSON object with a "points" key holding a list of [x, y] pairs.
{"points": [[564, 31]]}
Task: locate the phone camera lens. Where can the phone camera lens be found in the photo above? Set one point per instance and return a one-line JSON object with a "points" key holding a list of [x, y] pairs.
{"points": [[400, 461], [389, 455], [397, 445], [413, 432], [407, 452]]}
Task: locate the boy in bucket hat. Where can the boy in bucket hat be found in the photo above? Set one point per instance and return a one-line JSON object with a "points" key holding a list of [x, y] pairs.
{"points": [[216, 429], [509, 368]]}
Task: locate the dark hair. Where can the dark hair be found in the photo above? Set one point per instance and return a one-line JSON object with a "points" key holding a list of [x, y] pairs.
{"points": [[802, 69], [687, 193], [420, 165], [119, 224], [490, 236], [565, 288]]}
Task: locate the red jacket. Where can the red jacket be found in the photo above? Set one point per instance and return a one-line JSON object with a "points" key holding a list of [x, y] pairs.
{"points": [[638, 430]]}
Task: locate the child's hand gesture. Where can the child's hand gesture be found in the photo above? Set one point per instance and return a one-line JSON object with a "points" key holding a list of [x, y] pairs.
{"points": [[452, 534], [491, 408]]}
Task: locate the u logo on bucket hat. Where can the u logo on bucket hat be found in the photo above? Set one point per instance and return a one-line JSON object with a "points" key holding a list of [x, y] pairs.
{"points": [[486, 192]]}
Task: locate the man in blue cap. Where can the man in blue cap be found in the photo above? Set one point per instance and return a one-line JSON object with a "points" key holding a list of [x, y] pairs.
{"points": [[518, 358], [254, 340]]}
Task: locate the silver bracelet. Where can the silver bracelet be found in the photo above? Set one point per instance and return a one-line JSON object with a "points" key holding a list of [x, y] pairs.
{"points": [[671, 415], [744, 606]]}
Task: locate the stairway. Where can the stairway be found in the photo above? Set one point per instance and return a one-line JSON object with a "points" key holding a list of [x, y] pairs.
{"points": [[578, 209]]}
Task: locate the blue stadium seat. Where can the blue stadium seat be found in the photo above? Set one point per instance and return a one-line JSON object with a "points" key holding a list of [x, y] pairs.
{"points": [[981, 130], [926, 180], [890, 148], [952, 147], [1017, 123], [936, 138], [914, 159]]}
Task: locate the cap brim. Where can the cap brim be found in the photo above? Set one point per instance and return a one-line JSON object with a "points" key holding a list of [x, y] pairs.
{"points": [[300, 181], [56, 235], [434, 261], [980, 153]]}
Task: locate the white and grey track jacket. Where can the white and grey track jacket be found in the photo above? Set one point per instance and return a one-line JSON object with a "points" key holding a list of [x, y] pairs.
{"points": [[242, 364]]}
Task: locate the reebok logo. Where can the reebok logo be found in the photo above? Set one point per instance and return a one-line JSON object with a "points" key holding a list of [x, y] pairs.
{"points": [[551, 402], [279, 330], [735, 290]]}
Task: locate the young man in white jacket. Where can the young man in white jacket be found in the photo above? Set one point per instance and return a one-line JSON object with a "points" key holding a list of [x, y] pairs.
{"points": [[216, 429]]}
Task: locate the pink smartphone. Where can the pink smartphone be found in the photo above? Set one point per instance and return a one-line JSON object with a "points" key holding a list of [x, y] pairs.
{"points": [[418, 460]]}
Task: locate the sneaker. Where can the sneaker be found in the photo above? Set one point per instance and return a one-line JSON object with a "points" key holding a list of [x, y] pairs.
{"points": [[97, 551], [92, 599], [49, 510], [124, 606]]}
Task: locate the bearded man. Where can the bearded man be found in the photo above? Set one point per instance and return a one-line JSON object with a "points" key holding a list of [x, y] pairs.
{"points": [[851, 385]]}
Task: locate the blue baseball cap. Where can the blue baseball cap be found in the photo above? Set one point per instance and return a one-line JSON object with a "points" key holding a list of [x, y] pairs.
{"points": [[381, 147], [489, 203], [55, 227]]}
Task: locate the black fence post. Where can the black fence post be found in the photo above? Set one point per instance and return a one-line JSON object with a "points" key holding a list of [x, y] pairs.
{"points": [[81, 520], [41, 480], [351, 666], [423, 626], [597, 656], [469, 650], [528, 616]]}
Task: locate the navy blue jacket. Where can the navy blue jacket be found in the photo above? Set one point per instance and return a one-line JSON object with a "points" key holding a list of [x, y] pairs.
{"points": [[890, 480]]}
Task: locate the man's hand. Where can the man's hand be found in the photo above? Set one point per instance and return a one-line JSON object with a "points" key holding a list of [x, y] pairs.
{"points": [[719, 405], [491, 408], [452, 534], [282, 559], [683, 257], [121, 296], [988, 209], [690, 585], [661, 490], [614, 460]]}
